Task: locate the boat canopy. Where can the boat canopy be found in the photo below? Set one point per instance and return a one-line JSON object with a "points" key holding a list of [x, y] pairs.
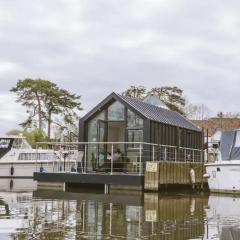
{"points": [[230, 145]]}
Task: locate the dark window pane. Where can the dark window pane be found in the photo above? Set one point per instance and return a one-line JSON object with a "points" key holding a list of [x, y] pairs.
{"points": [[135, 136]]}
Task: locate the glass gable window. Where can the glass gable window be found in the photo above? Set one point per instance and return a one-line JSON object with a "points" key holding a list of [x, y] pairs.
{"points": [[116, 112], [133, 120]]}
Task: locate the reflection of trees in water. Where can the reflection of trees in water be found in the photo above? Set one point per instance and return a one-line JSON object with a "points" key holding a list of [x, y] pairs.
{"points": [[4, 209], [160, 218]]}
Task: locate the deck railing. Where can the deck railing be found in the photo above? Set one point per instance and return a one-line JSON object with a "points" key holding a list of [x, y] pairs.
{"points": [[116, 157]]}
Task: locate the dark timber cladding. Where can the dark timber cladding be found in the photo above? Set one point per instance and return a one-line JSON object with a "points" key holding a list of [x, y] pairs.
{"points": [[158, 125]]}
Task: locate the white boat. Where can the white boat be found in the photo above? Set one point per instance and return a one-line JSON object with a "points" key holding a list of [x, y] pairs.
{"points": [[18, 159], [224, 174]]}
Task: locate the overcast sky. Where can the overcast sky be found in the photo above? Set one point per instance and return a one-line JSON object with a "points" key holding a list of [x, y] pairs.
{"points": [[94, 47]]}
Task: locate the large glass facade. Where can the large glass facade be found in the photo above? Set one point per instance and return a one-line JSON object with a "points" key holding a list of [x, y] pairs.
{"points": [[99, 130], [134, 134], [93, 137]]}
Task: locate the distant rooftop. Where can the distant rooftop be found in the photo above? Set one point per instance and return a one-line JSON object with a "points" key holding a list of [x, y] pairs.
{"points": [[154, 100], [214, 124]]}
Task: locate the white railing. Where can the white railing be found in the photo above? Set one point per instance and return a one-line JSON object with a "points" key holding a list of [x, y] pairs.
{"points": [[116, 157]]}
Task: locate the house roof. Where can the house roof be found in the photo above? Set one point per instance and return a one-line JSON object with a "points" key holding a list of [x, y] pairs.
{"points": [[214, 124], [159, 114], [146, 110]]}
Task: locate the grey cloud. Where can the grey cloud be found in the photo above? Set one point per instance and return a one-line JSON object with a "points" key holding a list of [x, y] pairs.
{"points": [[95, 47]]}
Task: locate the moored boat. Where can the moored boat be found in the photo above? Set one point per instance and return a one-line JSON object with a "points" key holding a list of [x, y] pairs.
{"points": [[18, 159], [224, 173]]}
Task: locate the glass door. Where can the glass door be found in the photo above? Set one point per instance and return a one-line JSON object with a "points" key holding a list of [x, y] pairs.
{"points": [[102, 148]]}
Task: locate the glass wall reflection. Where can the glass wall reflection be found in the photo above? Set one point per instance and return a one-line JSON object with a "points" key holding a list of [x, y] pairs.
{"points": [[55, 215]]}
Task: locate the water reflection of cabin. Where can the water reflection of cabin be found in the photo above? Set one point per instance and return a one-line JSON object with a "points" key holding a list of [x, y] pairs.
{"points": [[122, 119]]}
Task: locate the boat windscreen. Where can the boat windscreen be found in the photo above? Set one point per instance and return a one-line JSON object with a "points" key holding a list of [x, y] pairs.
{"points": [[226, 144], [5, 146], [235, 153]]}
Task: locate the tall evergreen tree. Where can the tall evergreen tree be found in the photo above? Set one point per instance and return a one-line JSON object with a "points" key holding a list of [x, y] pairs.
{"points": [[172, 97], [44, 99], [138, 92]]}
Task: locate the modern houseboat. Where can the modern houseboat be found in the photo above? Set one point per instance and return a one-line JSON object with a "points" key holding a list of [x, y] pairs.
{"points": [[127, 144], [18, 159], [166, 135], [224, 173]]}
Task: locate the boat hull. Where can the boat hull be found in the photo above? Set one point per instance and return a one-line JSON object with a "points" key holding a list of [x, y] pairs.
{"points": [[26, 169], [224, 177]]}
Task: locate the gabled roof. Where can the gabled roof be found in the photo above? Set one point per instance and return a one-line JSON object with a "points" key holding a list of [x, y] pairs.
{"points": [[159, 114], [148, 111]]}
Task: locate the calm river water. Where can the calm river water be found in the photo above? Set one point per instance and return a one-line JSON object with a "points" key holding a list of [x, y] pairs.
{"points": [[26, 213]]}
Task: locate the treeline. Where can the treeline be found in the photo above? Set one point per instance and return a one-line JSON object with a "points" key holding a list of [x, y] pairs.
{"points": [[46, 104]]}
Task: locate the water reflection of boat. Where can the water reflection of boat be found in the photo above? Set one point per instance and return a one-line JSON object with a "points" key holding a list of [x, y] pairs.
{"points": [[4, 209], [17, 184], [230, 233], [223, 217], [11, 208]]}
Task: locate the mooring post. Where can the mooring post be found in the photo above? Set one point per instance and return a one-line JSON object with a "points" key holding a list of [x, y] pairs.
{"points": [[153, 155], [106, 188], [175, 153], [85, 158], [110, 220], [140, 159], [112, 160]]}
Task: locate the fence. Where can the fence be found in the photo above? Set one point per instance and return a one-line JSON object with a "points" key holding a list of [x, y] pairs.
{"points": [[115, 157]]}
